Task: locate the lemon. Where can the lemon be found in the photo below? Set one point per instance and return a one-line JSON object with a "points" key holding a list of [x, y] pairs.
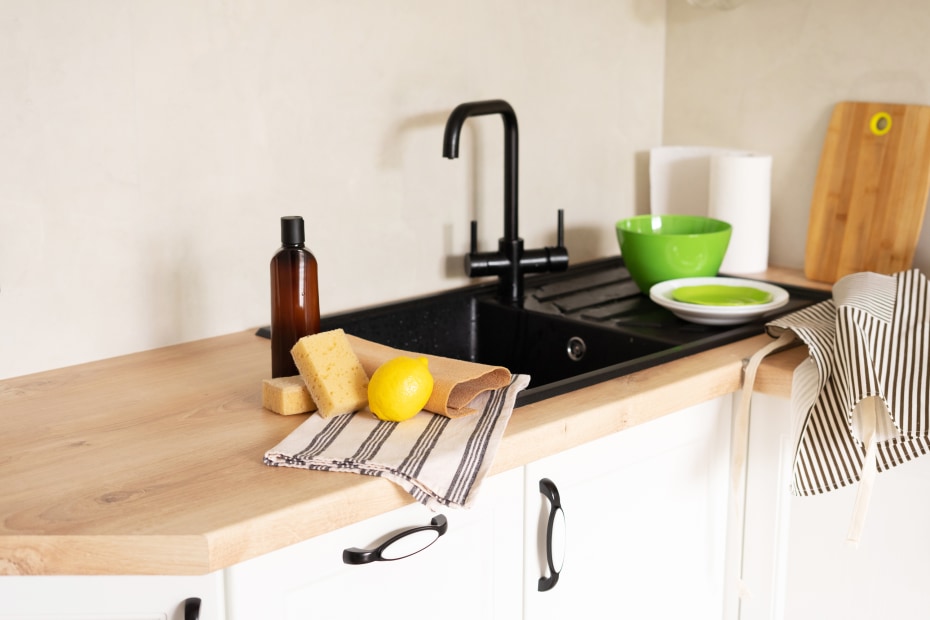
{"points": [[399, 388]]}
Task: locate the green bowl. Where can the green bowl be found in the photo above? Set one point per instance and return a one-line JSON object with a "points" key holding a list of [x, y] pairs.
{"points": [[657, 248]]}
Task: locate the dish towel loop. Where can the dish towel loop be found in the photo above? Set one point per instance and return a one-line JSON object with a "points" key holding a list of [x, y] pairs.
{"points": [[739, 438]]}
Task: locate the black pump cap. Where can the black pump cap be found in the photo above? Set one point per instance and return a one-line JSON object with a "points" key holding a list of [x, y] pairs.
{"points": [[292, 230]]}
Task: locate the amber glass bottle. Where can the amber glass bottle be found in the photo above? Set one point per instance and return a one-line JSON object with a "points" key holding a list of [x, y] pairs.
{"points": [[295, 302]]}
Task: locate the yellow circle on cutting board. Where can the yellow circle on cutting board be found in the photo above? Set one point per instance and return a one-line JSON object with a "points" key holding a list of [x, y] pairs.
{"points": [[880, 123]]}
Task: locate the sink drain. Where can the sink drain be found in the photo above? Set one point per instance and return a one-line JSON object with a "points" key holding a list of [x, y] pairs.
{"points": [[576, 348]]}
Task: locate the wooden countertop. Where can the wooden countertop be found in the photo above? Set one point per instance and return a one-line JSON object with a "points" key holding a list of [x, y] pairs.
{"points": [[151, 463]]}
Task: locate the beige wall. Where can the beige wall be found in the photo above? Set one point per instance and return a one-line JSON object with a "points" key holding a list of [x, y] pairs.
{"points": [[150, 146], [765, 76]]}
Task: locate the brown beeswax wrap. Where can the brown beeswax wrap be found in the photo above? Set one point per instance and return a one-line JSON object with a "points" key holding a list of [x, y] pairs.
{"points": [[455, 382]]}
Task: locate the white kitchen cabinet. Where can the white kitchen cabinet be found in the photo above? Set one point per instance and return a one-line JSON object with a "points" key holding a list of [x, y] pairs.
{"points": [[110, 597], [646, 517], [646, 514], [473, 571], [645, 509], [798, 565]]}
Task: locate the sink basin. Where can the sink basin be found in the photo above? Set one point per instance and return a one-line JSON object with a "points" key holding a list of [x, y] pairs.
{"points": [[575, 329], [471, 325]]}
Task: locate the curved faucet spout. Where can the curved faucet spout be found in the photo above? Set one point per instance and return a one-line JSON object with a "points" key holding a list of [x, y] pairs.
{"points": [[450, 150], [510, 261]]}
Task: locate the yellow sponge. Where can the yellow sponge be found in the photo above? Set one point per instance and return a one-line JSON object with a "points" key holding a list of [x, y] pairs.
{"points": [[332, 372], [287, 395]]}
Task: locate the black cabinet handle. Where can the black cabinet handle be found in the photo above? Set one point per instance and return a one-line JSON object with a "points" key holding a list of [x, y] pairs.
{"points": [[400, 546], [555, 531], [192, 609]]}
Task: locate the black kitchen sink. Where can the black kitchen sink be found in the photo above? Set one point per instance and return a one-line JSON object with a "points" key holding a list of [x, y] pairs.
{"points": [[470, 326], [575, 329]]}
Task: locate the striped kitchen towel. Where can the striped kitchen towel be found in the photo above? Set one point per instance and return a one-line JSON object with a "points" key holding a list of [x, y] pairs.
{"points": [[440, 461], [861, 400]]}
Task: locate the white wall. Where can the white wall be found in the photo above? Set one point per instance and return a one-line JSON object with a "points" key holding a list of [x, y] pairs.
{"points": [[765, 76], [148, 148]]}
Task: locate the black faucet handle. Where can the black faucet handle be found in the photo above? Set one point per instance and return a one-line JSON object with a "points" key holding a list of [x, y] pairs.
{"points": [[548, 258], [474, 236], [558, 256]]}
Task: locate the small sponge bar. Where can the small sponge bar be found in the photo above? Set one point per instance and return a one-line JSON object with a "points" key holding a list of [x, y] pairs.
{"points": [[332, 372], [287, 395]]}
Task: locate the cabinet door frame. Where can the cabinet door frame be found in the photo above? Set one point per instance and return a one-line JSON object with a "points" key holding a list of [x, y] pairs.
{"points": [[479, 556], [688, 449], [110, 597]]}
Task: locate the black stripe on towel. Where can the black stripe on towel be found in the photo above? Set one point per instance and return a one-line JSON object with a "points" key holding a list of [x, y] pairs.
{"points": [[373, 443], [477, 446], [413, 462], [324, 438]]}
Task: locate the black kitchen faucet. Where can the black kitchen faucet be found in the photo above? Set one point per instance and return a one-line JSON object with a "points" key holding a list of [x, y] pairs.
{"points": [[510, 261]]}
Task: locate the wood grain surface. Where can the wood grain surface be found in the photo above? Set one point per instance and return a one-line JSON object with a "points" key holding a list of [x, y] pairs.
{"points": [[152, 463], [870, 192]]}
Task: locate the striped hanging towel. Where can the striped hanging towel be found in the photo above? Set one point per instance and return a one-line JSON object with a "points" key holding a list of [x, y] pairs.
{"points": [[860, 400]]}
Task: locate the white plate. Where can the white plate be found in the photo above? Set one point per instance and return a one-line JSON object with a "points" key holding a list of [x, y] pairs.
{"points": [[661, 293]]}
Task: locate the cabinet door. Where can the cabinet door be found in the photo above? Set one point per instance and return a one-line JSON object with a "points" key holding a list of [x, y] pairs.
{"points": [[798, 564], [473, 571], [645, 514], [110, 597]]}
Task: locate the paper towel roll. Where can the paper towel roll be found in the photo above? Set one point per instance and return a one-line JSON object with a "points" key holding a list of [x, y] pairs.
{"points": [[740, 192]]}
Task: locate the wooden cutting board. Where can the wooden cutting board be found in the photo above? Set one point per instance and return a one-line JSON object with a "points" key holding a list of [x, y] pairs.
{"points": [[871, 190]]}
